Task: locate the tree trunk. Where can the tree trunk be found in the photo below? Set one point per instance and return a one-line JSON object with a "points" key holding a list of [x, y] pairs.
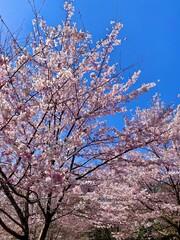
{"points": [[45, 229]]}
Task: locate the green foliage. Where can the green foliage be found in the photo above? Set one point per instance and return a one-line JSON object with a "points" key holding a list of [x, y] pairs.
{"points": [[149, 234], [101, 234]]}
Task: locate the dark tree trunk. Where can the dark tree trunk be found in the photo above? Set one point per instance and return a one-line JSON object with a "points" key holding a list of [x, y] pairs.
{"points": [[45, 229]]}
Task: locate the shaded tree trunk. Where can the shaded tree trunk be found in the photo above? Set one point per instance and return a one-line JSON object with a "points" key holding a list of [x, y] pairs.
{"points": [[45, 229]]}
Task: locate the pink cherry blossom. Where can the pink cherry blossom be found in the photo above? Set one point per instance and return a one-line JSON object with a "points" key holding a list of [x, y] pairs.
{"points": [[61, 162]]}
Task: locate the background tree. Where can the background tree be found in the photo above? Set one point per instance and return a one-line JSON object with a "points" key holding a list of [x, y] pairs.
{"points": [[141, 192], [158, 182]]}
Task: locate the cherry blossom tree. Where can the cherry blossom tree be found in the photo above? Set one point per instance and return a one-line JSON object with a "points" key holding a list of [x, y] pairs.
{"points": [[157, 180], [55, 91], [142, 190]]}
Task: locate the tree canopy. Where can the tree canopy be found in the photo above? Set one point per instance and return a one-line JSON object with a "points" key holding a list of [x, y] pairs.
{"points": [[63, 170]]}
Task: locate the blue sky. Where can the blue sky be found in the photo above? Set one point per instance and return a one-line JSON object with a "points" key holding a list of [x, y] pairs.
{"points": [[152, 29]]}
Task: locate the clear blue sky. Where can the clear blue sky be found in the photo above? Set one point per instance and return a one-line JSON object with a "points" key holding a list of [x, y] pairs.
{"points": [[152, 28]]}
